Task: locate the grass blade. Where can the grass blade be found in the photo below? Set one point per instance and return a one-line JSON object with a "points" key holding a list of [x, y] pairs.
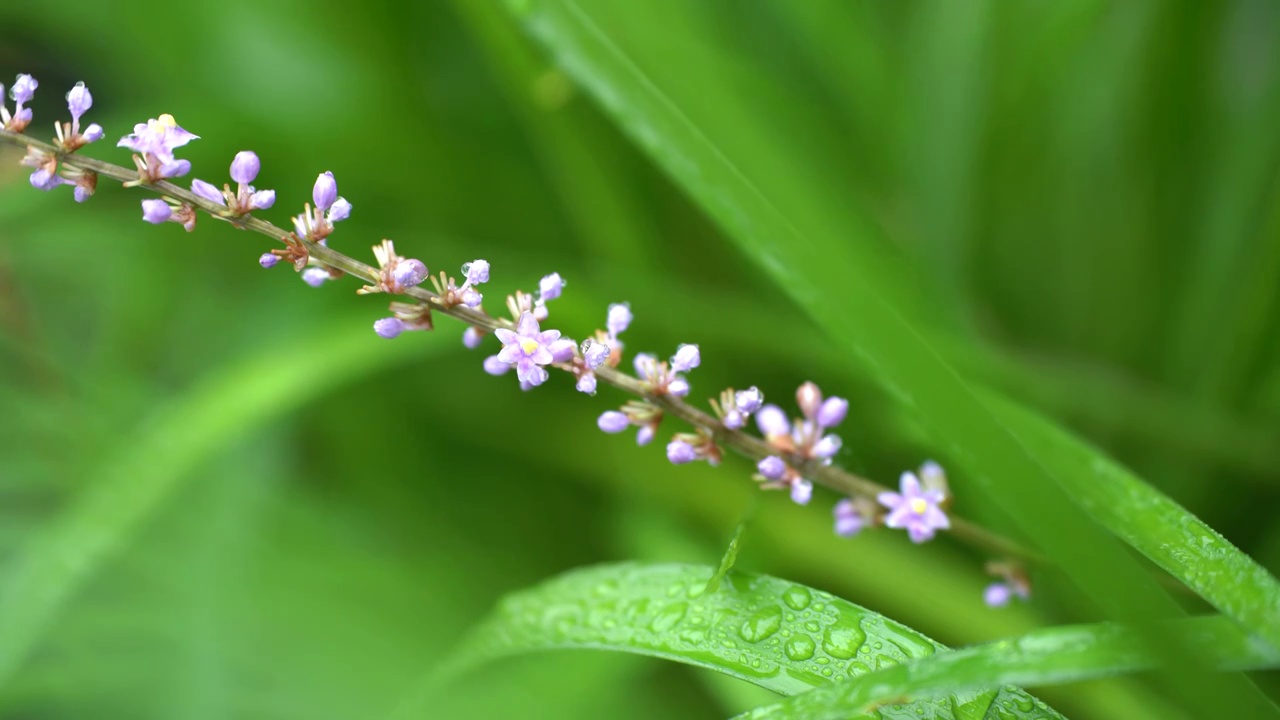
{"points": [[776, 634], [158, 456]]}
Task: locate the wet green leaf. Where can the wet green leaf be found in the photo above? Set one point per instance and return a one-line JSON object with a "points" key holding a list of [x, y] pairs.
{"points": [[771, 632], [1044, 657]]}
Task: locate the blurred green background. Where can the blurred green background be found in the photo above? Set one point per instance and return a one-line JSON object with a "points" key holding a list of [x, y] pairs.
{"points": [[233, 500]]}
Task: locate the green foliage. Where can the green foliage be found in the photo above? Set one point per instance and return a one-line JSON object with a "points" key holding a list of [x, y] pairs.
{"points": [[1036, 241], [774, 633], [1045, 657]]}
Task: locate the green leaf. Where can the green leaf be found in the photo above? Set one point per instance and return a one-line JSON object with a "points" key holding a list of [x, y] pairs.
{"points": [[664, 83], [728, 559], [1044, 657], [155, 458], [776, 634]]}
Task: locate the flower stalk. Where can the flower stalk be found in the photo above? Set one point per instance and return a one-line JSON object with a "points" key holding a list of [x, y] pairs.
{"points": [[715, 431]]}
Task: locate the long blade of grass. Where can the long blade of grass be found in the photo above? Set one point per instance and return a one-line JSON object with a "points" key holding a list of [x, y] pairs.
{"points": [[1051, 656], [770, 632], [155, 459]]}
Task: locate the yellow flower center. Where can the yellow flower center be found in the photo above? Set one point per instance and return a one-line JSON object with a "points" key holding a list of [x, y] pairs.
{"points": [[918, 506], [529, 345], [167, 120]]}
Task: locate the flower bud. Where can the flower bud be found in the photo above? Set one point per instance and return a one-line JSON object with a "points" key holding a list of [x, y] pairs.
{"points": [[749, 400], [409, 273], [686, 358], [471, 338], [832, 412], [680, 452], [772, 467], [809, 399], [619, 318], [613, 422], [801, 491], [245, 167], [325, 192], [550, 287], [268, 260], [388, 327], [79, 101], [156, 211], [773, 421], [208, 192], [494, 366]]}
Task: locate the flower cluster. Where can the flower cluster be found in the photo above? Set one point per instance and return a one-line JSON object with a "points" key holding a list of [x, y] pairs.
{"points": [[47, 173], [316, 224], [797, 451], [1013, 584], [245, 199], [153, 144], [23, 89]]}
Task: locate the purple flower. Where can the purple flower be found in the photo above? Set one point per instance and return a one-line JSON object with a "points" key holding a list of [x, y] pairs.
{"points": [[680, 452], [409, 273], [245, 167], [827, 447], [47, 179], [93, 133], [849, 520], [587, 383], [494, 366], [749, 400], [562, 350], [156, 211], [471, 298], [619, 319], [262, 199], [315, 276], [997, 595], [476, 272], [914, 509], [645, 434], [526, 347], [801, 491], [772, 467], [24, 88], [809, 399], [208, 192], [646, 366], [268, 260], [388, 327], [340, 211], [325, 192], [471, 338], [613, 421], [773, 421], [686, 358], [678, 387], [550, 287], [158, 138], [832, 412], [82, 193], [595, 353], [734, 419], [79, 101]]}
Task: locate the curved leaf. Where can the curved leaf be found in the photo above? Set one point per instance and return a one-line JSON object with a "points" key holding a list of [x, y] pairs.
{"points": [[1045, 657], [771, 632], [827, 264], [158, 457]]}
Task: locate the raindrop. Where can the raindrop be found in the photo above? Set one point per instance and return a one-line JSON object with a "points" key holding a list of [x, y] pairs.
{"points": [[797, 597], [800, 647]]}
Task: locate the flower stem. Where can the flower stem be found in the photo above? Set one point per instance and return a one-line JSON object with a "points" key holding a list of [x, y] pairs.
{"points": [[744, 444]]}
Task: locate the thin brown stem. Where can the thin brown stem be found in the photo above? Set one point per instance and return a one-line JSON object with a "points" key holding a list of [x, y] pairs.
{"points": [[749, 446]]}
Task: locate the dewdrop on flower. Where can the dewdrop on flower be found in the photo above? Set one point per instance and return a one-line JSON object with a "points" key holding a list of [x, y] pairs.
{"points": [[245, 198], [23, 89]]}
